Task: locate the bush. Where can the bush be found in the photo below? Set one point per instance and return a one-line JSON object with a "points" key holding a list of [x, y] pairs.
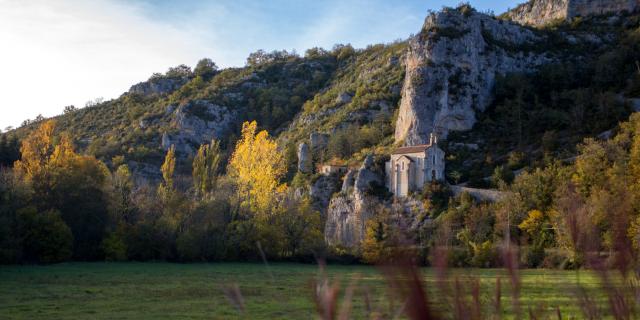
{"points": [[438, 194], [114, 247], [189, 246], [484, 255], [458, 257], [532, 256], [47, 239], [555, 259]]}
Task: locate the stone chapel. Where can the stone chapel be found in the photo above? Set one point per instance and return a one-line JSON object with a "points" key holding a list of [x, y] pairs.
{"points": [[410, 168]]}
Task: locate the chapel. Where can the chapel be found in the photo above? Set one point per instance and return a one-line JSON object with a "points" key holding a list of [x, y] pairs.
{"points": [[411, 167]]}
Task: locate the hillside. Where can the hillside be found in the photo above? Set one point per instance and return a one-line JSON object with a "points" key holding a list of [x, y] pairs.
{"points": [[485, 70], [542, 113], [289, 95]]}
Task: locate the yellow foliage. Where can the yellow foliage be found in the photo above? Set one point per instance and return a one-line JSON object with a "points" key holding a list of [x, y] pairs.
{"points": [[533, 222], [36, 150], [374, 249], [48, 164], [257, 166]]}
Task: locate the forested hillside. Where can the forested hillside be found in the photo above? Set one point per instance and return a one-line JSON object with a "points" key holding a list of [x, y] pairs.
{"points": [[203, 164]]}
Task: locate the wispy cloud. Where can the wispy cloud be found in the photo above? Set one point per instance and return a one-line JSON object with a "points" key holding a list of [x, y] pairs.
{"points": [[56, 53]]}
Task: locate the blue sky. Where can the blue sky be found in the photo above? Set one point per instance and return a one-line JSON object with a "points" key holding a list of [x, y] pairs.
{"points": [[56, 53]]}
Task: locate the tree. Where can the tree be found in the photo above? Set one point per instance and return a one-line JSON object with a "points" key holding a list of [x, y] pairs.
{"points": [[36, 150], [46, 237], [69, 109], [9, 150], [257, 166], [69, 183], [374, 247], [167, 187], [122, 206], [502, 176], [205, 68], [301, 227], [205, 168], [15, 194], [181, 71]]}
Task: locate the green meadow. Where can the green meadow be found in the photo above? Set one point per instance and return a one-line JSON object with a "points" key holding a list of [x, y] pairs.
{"points": [[283, 290]]}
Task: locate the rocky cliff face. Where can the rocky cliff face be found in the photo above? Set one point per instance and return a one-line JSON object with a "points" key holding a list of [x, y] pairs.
{"points": [[304, 158], [541, 12], [349, 211], [451, 67], [322, 190], [196, 123]]}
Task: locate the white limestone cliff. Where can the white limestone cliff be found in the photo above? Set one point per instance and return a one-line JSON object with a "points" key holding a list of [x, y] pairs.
{"points": [[451, 68]]}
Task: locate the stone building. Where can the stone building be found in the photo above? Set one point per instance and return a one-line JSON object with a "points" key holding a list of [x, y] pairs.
{"points": [[329, 169], [410, 168]]}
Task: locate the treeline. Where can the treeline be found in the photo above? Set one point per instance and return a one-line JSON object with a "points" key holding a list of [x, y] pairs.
{"points": [[57, 205]]}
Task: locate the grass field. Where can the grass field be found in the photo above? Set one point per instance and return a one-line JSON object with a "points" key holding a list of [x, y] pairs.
{"points": [[169, 291]]}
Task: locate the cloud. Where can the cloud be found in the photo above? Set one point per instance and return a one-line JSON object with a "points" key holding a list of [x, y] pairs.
{"points": [[56, 53]]}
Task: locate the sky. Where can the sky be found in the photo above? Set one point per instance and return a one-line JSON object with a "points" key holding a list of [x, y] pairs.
{"points": [[55, 53]]}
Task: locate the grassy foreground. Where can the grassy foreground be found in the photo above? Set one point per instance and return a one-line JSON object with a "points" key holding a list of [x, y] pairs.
{"points": [[169, 291]]}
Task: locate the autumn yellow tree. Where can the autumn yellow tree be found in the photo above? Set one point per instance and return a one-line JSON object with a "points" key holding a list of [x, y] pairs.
{"points": [[66, 182], [257, 166], [37, 149]]}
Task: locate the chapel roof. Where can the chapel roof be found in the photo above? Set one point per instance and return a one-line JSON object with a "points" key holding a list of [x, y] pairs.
{"points": [[406, 158], [411, 149]]}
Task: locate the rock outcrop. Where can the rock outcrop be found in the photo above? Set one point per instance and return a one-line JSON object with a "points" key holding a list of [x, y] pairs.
{"points": [[304, 158], [344, 98], [322, 190], [541, 12], [350, 210], [196, 123], [451, 66], [158, 86]]}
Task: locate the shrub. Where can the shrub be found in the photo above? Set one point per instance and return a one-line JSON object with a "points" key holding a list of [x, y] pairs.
{"points": [[555, 259], [457, 257], [484, 255], [533, 256], [47, 239], [438, 194], [114, 247]]}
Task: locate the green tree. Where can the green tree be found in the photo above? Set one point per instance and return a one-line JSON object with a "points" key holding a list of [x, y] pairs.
{"points": [[205, 68], [205, 168], [46, 237], [122, 206], [167, 188], [301, 228]]}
